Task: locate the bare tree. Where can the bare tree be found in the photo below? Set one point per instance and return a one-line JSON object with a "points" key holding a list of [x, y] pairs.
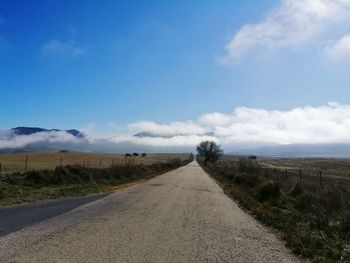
{"points": [[210, 151]]}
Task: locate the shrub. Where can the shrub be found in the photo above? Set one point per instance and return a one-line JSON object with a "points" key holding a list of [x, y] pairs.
{"points": [[269, 191], [250, 180], [229, 176], [297, 190], [247, 165], [176, 161]]}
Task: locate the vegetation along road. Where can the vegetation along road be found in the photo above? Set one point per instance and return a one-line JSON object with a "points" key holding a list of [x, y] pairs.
{"points": [[180, 216]]}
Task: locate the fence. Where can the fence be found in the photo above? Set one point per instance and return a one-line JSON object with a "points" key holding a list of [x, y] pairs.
{"points": [[24, 163], [27, 164], [313, 176]]}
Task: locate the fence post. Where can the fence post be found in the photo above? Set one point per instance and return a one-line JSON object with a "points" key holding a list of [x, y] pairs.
{"points": [[60, 162], [26, 164], [320, 177], [99, 165], [300, 174], [84, 163], [267, 173], [0, 167]]}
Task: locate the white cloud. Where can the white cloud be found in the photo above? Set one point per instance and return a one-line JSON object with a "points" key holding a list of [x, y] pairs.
{"points": [[115, 126], [166, 130], [174, 141], [215, 118], [293, 24], [306, 125], [339, 50], [303, 125], [324, 124], [12, 141], [64, 50]]}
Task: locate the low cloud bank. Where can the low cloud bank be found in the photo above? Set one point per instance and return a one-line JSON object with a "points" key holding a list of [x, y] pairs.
{"points": [[244, 127], [9, 140]]}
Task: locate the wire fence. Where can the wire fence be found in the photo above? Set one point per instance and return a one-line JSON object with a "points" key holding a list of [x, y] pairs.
{"points": [[28, 162], [311, 176]]}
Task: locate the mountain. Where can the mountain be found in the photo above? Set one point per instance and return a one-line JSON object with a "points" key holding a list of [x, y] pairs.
{"points": [[32, 130], [29, 139]]}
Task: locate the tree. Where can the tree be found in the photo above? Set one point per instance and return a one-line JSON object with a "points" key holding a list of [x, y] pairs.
{"points": [[135, 154], [210, 151]]}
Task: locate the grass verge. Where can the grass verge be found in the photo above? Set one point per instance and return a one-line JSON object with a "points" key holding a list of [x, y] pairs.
{"points": [[68, 181], [314, 221]]}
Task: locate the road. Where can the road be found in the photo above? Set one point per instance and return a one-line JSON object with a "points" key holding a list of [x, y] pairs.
{"points": [[181, 216], [14, 218]]}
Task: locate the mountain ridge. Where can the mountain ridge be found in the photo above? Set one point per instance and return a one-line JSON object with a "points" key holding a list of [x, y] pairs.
{"points": [[22, 130]]}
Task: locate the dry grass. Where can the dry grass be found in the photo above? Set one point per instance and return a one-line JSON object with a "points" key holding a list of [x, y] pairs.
{"points": [[15, 162], [332, 168], [312, 218], [76, 180], [336, 167]]}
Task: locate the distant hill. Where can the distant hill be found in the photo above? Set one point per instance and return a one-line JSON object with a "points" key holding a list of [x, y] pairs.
{"points": [[32, 130], [27, 139]]}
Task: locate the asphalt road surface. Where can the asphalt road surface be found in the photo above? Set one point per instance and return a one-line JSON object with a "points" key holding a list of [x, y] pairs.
{"points": [[13, 218], [181, 216]]}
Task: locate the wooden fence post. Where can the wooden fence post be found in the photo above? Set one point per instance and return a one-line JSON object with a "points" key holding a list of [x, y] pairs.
{"points": [[26, 164], [300, 174], [84, 163], [0, 168], [320, 177], [99, 165], [60, 162]]}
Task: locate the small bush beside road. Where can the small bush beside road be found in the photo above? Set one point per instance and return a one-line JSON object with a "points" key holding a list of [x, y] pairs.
{"points": [[76, 180], [313, 219]]}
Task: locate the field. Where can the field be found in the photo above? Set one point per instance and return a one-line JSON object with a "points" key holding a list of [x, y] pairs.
{"points": [[15, 162], [75, 180], [329, 166], [315, 170]]}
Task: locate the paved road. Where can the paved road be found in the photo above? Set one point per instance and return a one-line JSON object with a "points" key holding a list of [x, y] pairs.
{"points": [[181, 216], [14, 218]]}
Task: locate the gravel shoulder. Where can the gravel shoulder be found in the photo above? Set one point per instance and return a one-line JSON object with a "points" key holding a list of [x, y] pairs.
{"points": [[181, 216]]}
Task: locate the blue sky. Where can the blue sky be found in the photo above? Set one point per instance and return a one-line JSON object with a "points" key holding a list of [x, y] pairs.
{"points": [[84, 64]]}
